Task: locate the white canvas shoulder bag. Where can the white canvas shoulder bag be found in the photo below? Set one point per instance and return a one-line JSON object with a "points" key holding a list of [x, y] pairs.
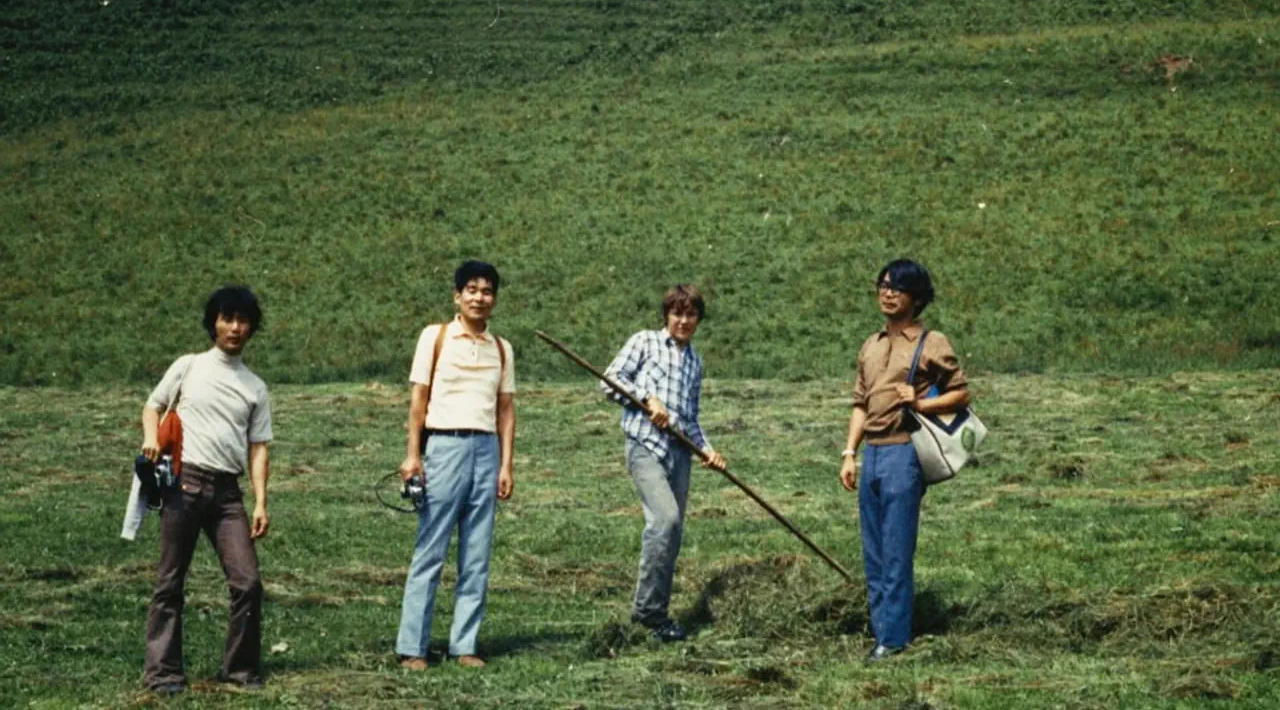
{"points": [[944, 443]]}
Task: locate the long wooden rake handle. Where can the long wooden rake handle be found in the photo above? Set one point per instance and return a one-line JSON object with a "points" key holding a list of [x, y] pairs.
{"points": [[688, 443]]}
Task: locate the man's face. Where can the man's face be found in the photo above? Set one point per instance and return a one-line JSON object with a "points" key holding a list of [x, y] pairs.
{"points": [[475, 300], [231, 332], [682, 323], [894, 304]]}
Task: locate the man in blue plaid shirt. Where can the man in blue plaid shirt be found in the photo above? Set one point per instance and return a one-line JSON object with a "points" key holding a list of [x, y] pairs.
{"points": [[661, 369]]}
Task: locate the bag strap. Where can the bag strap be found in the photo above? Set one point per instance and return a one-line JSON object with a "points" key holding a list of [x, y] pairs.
{"points": [[435, 358], [181, 380], [915, 359], [502, 359]]}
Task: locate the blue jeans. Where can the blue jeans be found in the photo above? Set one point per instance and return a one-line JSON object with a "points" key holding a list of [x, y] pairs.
{"points": [[889, 493], [462, 489], [663, 485]]}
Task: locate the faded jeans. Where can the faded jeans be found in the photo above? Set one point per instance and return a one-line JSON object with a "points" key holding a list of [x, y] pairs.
{"points": [[663, 486], [462, 490]]}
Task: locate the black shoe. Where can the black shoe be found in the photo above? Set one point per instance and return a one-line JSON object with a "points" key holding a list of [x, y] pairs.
{"points": [[669, 631], [881, 652], [169, 690]]}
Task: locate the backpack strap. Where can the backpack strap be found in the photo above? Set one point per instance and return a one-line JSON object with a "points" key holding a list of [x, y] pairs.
{"points": [[431, 381], [502, 360], [435, 358]]}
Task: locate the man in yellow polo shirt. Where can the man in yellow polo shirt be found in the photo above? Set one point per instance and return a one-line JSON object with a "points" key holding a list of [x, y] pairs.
{"points": [[464, 404]]}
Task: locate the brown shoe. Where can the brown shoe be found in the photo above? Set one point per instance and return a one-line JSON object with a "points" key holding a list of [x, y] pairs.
{"points": [[413, 663], [471, 661]]}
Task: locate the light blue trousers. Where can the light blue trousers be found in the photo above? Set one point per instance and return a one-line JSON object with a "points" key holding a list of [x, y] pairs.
{"points": [[462, 489], [889, 493], [663, 486]]}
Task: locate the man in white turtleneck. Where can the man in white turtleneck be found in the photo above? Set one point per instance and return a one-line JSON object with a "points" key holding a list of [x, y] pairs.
{"points": [[226, 428]]}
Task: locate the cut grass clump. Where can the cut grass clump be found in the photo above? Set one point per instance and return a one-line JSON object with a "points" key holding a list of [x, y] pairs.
{"points": [[613, 638], [775, 598], [1204, 615]]}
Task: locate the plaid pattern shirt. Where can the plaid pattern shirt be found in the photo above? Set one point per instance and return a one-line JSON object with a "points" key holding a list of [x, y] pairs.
{"points": [[652, 364]]}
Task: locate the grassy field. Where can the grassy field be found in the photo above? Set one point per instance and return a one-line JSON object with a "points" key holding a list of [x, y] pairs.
{"points": [[1084, 206], [1093, 183], [1115, 547]]}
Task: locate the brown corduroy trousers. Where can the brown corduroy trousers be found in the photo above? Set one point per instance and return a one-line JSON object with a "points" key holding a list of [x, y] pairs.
{"points": [[210, 501]]}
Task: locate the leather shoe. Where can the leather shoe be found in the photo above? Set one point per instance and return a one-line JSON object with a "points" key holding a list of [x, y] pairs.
{"points": [[881, 652], [669, 631], [413, 663], [471, 661]]}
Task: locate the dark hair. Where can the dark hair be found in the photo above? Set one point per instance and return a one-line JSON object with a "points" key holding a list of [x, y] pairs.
{"points": [[232, 301], [472, 269], [909, 277], [683, 297]]}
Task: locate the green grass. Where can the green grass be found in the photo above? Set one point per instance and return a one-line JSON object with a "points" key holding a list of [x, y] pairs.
{"points": [[341, 158], [1093, 226], [1115, 547]]}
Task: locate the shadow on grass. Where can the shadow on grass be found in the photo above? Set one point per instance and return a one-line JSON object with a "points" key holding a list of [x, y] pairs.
{"points": [[745, 578], [932, 615], [781, 597], [382, 655], [512, 645]]}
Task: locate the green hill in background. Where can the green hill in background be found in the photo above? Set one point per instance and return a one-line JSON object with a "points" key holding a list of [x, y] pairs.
{"points": [[1093, 184]]}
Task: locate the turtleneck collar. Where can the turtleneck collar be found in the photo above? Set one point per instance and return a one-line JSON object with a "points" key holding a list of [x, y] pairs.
{"points": [[224, 358]]}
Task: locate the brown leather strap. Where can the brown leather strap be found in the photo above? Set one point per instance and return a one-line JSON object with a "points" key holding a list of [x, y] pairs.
{"points": [[435, 358], [502, 360]]}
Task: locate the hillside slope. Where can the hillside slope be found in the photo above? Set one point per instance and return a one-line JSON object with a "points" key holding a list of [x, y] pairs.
{"points": [[1094, 184]]}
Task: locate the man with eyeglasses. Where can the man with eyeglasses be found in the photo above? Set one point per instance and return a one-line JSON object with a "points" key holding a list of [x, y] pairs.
{"points": [[892, 484]]}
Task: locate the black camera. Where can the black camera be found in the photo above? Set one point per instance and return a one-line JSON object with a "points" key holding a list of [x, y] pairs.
{"points": [[155, 477], [415, 490]]}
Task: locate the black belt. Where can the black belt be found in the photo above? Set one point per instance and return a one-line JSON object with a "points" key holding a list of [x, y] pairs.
{"points": [[457, 432]]}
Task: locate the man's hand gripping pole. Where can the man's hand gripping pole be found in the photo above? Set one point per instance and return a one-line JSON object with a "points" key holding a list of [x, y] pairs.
{"points": [[688, 443]]}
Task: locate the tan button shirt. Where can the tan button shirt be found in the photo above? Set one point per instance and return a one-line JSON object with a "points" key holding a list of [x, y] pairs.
{"points": [[883, 362], [467, 380]]}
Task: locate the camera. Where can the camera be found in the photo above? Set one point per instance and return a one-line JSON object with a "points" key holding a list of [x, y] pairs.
{"points": [[156, 477], [415, 490]]}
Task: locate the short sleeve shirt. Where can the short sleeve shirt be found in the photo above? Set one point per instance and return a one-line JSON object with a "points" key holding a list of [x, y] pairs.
{"points": [[884, 361], [468, 378], [224, 407]]}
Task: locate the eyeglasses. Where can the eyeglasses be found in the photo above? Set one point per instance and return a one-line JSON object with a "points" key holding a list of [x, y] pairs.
{"points": [[888, 288]]}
